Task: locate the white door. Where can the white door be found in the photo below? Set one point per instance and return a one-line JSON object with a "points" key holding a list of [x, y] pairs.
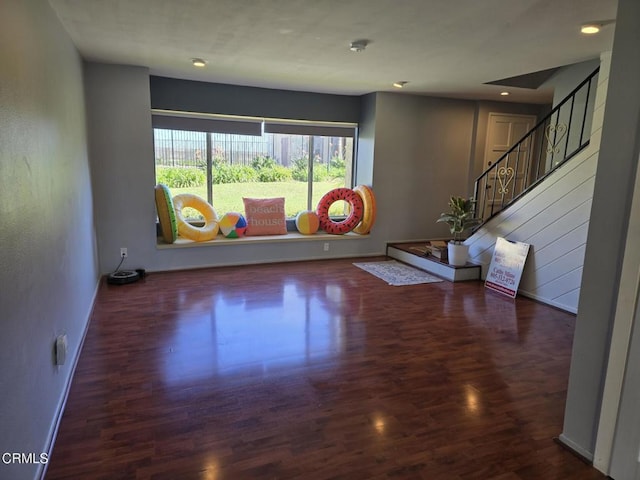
{"points": [[508, 179]]}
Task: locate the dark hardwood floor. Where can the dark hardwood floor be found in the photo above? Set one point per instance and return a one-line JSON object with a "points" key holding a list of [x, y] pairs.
{"points": [[316, 370]]}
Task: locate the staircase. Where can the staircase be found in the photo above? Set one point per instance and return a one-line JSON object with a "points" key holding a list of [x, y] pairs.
{"points": [[562, 134], [540, 193], [558, 157]]}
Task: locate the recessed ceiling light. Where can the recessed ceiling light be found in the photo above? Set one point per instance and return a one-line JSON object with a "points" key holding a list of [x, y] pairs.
{"points": [[400, 84], [198, 62], [591, 28], [504, 94]]}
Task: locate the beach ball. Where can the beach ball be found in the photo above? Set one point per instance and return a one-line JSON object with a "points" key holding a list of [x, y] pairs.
{"points": [[232, 224], [307, 222]]}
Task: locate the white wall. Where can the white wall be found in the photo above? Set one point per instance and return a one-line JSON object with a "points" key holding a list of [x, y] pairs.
{"points": [[604, 297], [553, 218], [618, 439], [48, 255]]}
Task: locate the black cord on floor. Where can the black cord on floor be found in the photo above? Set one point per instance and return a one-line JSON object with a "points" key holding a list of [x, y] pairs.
{"points": [[119, 265]]}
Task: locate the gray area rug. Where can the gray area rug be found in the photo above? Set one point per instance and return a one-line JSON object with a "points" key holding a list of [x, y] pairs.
{"points": [[396, 273]]}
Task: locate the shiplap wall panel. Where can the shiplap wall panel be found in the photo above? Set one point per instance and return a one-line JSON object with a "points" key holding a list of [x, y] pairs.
{"points": [[549, 192], [560, 285], [568, 299], [553, 260], [601, 94], [535, 212], [598, 116], [554, 219], [567, 262], [551, 253], [536, 228], [567, 222]]}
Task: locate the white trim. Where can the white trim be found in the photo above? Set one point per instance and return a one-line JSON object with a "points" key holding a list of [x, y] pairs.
{"points": [[546, 301], [445, 271], [626, 305], [270, 260], [288, 237], [53, 429], [575, 447], [247, 118]]}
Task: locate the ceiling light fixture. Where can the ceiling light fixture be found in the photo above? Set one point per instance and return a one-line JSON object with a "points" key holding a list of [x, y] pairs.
{"points": [[358, 45], [590, 28], [504, 94], [198, 62], [400, 84]]}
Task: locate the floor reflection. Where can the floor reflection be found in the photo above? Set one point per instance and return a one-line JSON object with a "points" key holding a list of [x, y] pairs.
{"points": [[231, 333], [316, 370]]}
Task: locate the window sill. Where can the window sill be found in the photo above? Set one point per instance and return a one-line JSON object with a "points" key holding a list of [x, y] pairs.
{"points": [[289, 237]]}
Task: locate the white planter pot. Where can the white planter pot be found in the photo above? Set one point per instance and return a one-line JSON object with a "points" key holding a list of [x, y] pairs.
{"points": [[458, 254]]}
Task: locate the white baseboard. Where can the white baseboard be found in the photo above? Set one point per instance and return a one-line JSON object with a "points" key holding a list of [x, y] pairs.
{"points": [[53, 431], [546, 301], [567, 442]]}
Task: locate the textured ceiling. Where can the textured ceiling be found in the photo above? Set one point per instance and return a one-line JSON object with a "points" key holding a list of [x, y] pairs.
{"points": [[441, 47]]}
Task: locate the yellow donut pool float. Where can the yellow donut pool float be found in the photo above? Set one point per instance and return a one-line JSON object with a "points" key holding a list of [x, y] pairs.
{"points": [[198, 234], [369, 216]]}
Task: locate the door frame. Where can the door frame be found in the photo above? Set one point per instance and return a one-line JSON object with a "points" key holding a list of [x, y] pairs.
{"points": [[533, 119]]}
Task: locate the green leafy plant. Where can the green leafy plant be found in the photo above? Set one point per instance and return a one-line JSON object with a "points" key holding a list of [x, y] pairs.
{"points": [[225, 173], [268, 170], [337, 162], [461, 217], [276, 173], [180, 177], [321, 172], [263, 162]]}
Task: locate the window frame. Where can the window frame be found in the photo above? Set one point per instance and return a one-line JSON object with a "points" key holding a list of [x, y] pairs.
{"points": [[256, 126]]}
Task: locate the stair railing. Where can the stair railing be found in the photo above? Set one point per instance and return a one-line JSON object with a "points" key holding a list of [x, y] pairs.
{"points": [[564, 132]]}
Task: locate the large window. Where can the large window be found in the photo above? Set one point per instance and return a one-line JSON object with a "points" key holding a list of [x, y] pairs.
{"points": [[226, 159]]}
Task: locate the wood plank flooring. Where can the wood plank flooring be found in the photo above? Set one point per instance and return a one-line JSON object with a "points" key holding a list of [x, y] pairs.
{"points": [[316, 370]]}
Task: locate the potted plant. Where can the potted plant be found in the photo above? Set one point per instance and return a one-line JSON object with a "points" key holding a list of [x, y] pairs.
{"points": [[460, 218]]}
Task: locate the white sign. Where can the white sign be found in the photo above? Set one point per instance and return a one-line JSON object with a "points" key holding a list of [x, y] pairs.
{"points": [[506, 266]]}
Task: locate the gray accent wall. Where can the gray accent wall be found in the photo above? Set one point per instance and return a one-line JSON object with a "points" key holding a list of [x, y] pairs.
{"points": [[569, 77], [121, 148], [48, 255], [427, 149], [366, 141], [415, 151], [121, 153], [192, 96], [422, 153]]}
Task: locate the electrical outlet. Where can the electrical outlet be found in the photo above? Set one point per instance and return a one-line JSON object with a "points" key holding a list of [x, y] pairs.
{"points": [[123, 252], [326, 246]]}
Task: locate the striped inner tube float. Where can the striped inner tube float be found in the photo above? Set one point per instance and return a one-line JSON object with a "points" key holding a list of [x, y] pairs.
{"points": [[198, 234], [349, 223], [166, 213]]}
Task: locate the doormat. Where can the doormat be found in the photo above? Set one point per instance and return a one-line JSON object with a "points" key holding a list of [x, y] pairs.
{"points": [[396, 273]]}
